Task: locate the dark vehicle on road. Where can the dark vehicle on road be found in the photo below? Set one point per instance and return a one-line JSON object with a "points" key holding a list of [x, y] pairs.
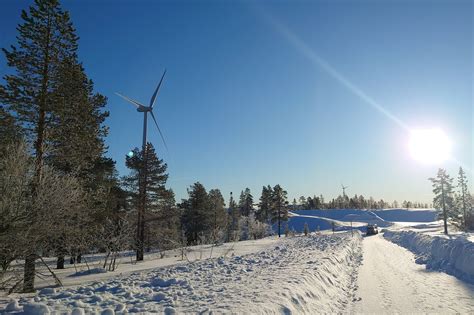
{"points": [[372, 229]]}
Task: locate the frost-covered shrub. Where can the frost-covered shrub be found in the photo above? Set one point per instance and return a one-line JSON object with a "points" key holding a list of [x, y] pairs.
{"points": [[251, 228]]}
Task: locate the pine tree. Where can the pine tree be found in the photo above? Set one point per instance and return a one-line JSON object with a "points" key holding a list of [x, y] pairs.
{"points": [[46, 38], [443, 190], [280, 209], [464, 199], [156, 193]]}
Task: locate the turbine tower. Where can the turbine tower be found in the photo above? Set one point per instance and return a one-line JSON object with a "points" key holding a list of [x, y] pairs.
{"points": [[143, 176]]}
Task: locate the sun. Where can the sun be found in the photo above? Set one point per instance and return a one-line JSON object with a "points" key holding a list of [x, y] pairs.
{"points": [[429, 146]]}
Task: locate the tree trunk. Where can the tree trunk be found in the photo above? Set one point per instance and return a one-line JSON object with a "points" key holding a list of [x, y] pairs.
{"points": [[60, 262], [29, 274], [279, 223], [445, 213], [464, 209], [29, 270]]}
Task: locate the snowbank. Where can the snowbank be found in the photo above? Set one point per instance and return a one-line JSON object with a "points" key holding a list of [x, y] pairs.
{"points": [[453, 256], [297, 275]]}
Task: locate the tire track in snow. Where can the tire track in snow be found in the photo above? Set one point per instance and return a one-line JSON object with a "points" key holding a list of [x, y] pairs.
{"points": [[391, 282]]}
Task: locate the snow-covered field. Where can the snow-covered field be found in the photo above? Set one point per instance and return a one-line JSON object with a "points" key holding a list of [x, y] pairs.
{"points": [[127, 264], [295, 275]]}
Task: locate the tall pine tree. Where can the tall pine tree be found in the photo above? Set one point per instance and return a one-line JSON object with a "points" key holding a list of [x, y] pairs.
{"points": [[46, 38], [443, 190], [279, 206], [158, 200]]}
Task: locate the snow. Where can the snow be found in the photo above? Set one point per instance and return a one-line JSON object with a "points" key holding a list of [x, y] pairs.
{"points": [[294, 275], [88, 272], [127, 265], [12, 306], [452, 255], [32, 308], [390, 281], [321, 273]]}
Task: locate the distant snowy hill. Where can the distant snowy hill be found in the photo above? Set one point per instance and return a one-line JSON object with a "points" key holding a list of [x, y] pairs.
{"points": [[324, 219]]}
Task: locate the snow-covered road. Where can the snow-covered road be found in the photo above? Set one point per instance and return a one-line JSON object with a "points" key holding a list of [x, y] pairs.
{"points": [[390, 281]]}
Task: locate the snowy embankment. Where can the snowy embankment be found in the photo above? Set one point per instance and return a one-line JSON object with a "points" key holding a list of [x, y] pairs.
{"points": [[453, 256], [299, 274]]}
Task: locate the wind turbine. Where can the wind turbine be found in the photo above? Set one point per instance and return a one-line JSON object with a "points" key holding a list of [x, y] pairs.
{"points": [[344, 190], [147, 109], [142, 177]]}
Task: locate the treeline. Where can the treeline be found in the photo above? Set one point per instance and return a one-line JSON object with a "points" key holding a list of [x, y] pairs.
{"points": [[356, 202]]}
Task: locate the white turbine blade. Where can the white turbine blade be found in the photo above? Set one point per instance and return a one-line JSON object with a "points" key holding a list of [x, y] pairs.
{"points": [[153, 98], [137, 104], [159, 130]]}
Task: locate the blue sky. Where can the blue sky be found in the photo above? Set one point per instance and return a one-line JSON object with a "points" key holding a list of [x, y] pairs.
{"points": [[244, 104]]}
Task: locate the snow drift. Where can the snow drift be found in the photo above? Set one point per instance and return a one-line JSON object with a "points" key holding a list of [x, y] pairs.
{"points": [[314, 274], [453, 256]]}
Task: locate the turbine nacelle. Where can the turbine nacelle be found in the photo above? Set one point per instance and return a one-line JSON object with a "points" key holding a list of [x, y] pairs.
{"points": [[143, 109]]}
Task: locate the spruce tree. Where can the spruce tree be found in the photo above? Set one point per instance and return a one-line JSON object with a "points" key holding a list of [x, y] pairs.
{"points": [[234, 216], [280, 206], [265, 204], [77, 135], [196, 213], [246, 202], [46, 37], [443, 190]]}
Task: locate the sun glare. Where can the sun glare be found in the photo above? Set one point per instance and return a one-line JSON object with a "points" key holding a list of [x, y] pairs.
{"points": [[429, 146]]}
